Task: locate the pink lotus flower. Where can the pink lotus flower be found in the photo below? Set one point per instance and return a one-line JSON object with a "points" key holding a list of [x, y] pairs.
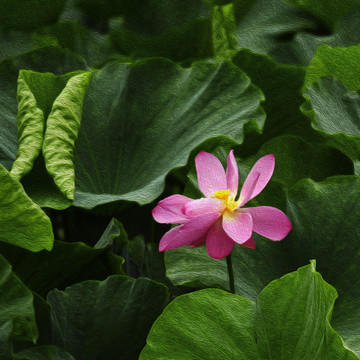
{"points": [[219, 220]]}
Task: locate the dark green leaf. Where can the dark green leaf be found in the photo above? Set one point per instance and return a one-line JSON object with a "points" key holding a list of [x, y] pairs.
{"points": [[17, 317], [151, 106], [179, 30], [66, 264], [30, 14], [108, 320], [49, 352]]}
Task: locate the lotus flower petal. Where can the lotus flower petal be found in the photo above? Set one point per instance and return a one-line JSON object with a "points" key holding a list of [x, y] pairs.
{"points": [[210, 173], [270, 222], [218, 243], [197, 207], [171, 210], [232, 174], [257, 179], [238, 225], [187, 233]]}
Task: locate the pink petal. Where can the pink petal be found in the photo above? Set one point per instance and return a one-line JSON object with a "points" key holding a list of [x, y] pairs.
{"points": [[257, 179], [232, 174], [187, 233], [250, 244], [210, 173], [238, 225], [218, 244], [270, 222], [198, 242], [171, 210], [197, 207]]}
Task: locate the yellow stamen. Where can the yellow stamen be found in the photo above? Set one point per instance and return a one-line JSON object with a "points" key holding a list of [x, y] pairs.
{"points": [[224, 196]]}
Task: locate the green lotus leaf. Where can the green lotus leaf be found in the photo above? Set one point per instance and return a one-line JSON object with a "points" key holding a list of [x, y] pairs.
{"points": [[17, 317], [326, 11], [291, 31], [62, 128], [30, 123], [334, 110], [29, 15], [47, 352], [155, 105], [8, 107], [50, 121], [335, 106], [179, 30], [22, 222], [340, 63], [107, 320], [290, 319]]}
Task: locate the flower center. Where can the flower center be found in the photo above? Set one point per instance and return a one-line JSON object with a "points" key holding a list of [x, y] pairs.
{"points": [[224, 196]]}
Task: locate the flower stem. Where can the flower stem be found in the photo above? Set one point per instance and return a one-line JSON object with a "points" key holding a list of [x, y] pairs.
{"points": [[231, 273]]}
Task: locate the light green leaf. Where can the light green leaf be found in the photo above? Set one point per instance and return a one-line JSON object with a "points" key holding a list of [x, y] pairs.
{"points": [[207, 324], [22, 222], [107, 320], [291, 319], [50, 121], [30, 123], [62, 128], [223, 23], [17, 317], [150, 106], [341, 63]]}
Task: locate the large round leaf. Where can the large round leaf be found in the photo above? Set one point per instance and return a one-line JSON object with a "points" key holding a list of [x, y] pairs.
{"points": [[140, 121], [106, 320], [207, 324], [290, 320]]}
